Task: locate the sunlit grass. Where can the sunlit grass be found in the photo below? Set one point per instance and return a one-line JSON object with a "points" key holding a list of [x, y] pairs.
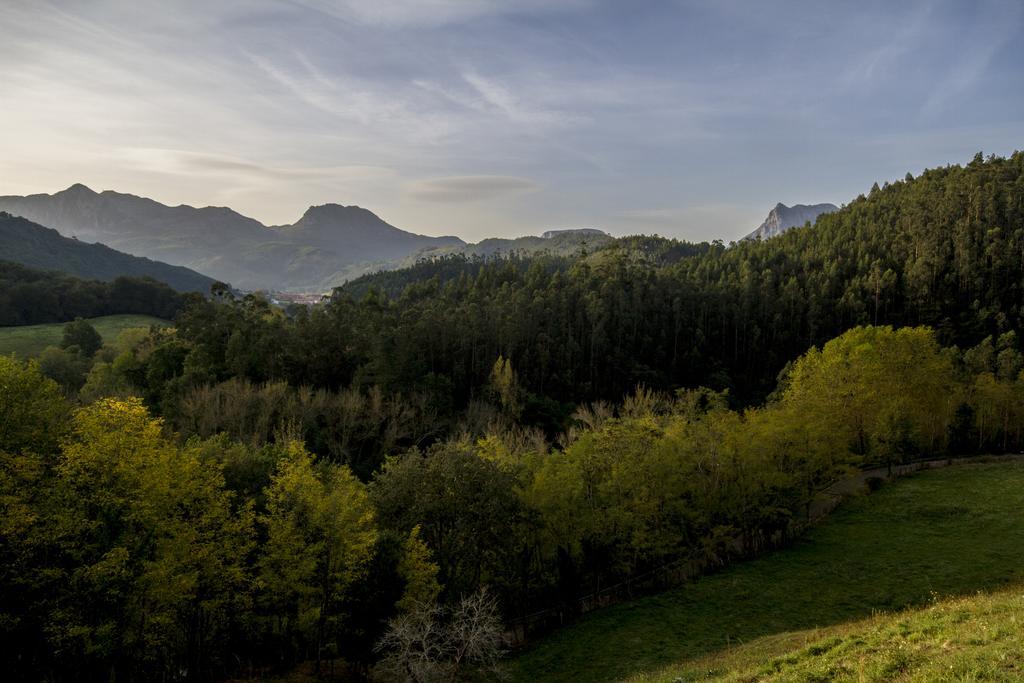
{"points": [[940, 533]]}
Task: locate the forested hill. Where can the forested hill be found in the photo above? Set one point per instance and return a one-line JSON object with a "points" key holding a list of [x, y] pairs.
{"points": [[29, 297], [33, 245], [944, 249]]}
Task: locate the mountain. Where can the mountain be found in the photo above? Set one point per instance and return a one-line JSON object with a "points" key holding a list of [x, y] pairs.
{"points": [[359, 232], [328, 243], [783, 217], [25, 242]]}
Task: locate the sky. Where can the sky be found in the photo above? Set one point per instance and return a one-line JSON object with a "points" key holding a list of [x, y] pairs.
{"points": [[481, 118]]}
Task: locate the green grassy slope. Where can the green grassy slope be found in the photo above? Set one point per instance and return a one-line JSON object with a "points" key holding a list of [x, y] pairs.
{"points": [[28, 340], [940, 533], [978, 638]]}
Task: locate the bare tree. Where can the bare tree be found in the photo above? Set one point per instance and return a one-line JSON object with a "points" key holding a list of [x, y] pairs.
{"points": [[432, 644]]}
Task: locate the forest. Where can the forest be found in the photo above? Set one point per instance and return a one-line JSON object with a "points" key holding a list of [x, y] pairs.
{"points": [[390, 478], [29, 296]]}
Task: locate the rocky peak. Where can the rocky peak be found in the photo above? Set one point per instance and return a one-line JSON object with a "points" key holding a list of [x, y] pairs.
{"points": [[782, 218]]}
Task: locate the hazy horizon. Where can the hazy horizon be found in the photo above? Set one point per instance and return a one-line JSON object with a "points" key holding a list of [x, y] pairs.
{"points": [[480, 119]]}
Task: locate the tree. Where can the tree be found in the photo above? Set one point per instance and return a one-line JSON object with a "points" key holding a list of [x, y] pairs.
{"points": [[465, 506], [66, 367], [857, 386], [431, 643], [83, 336], [109, 379], [33, 414], [419, 573], [152, 549], [320, 537], [25, 590], [505, 387]]}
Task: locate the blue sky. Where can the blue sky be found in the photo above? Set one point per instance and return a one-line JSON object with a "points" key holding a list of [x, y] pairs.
{"points": [[499, 118]]}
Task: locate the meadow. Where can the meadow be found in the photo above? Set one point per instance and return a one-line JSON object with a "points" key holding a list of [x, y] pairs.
{"points": [[931, 536], [26, 341]]}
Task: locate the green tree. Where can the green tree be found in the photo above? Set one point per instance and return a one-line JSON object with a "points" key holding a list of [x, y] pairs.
{"points": [[320, 537], [505, 386], [418, 572], [33, 414], [467, 510], [858, 385], [152, 546], [83, 336], [66, 367]]}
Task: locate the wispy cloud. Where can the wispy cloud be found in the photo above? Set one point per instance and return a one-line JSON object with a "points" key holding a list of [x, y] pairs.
{"points": [[175, 161], [431, 13], [512, 106], [458, 189], [510, 115]]}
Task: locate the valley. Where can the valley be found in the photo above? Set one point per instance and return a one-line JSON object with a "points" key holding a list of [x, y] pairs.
{"points": [[434, 453], [444, 341]]}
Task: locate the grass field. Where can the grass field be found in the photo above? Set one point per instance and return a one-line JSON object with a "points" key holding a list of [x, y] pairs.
{"points": [[28, 340], [939, 533], [977, 638]]}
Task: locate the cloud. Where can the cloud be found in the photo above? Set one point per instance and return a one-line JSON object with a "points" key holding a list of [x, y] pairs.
{"points": [[458, 189], [511, 105], [176, 161], [431, 13], [406, 106], [386, 110]]}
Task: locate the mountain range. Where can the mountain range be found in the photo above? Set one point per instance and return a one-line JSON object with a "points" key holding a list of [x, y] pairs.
{"points": [[25, 242], [329, 245], [782, 218], [326, 246]]}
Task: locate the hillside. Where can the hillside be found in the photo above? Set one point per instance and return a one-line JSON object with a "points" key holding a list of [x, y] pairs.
{"points": [[25, 242], [29, 296], [960, 639], [938, 533], [553, 242], [326, 241], [443, 264], [936, 249]]}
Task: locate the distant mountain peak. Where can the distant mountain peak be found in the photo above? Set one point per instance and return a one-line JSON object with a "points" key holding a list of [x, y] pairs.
{"points": [[782, 218], [78, 189], [337, 211]]}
